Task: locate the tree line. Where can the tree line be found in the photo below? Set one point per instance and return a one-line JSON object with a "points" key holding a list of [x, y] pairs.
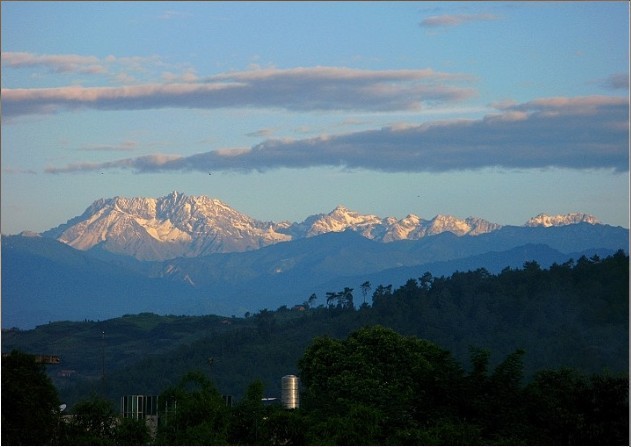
{"points": [[376, 387]]}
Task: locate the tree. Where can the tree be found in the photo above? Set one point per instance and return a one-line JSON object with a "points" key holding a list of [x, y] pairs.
{"points": [[283, 427], [505, 416], [569, 408], [132, 431], [199, 414], [365, 289], [377, 382], [330, 297], [426, 281], [312, 299], [94, 422], [30, 404], [346, 298], [247, 416], [381, 295], [265, 322]]}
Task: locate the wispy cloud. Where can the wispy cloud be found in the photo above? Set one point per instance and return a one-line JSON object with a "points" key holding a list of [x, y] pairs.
{"points": [[262, 133], [579, 133], [145, 163], [618, 81], [172, 14], [304, 89], [57, 63], [9, 170], [76, 63], [114, 69], [450, 20], [124, 146]]}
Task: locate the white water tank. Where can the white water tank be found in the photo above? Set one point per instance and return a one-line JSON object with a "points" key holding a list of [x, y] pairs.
{"points": [[290, 395]]}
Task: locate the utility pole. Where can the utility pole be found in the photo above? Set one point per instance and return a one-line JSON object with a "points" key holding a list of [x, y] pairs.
{"points": [[103, 361]]}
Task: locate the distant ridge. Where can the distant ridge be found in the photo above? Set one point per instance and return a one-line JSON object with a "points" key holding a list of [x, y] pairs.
{"points": [[46, 280], [178, 225]]}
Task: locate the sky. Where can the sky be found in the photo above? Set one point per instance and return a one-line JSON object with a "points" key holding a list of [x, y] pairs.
{"points": [[282, 110]]}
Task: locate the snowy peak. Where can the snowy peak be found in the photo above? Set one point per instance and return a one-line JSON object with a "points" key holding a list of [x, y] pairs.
{"points": [[543, 220], [480, 226], [413, 227], [341, 219], [410, 227], [442, 223], [388, 229], [167, 227], [178, 225]]}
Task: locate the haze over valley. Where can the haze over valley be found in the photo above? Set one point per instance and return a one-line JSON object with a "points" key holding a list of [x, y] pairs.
{"points": [[194, 254]]}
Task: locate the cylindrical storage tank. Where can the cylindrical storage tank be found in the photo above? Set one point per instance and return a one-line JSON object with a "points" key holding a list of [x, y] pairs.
{"points": [[290, 396]]}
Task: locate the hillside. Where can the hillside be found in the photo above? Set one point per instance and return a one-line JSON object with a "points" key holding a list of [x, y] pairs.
{"points": [[44, 280], [573, 314]]}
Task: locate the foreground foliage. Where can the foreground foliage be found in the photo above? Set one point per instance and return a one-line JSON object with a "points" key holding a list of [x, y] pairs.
{"points": [[376, 387], [30, 404]]}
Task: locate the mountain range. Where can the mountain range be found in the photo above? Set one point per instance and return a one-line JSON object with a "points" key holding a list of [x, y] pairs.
{"points": [[178, 225], [196, 255]]}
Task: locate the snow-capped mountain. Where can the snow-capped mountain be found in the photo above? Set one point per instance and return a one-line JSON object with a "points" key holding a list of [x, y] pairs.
{"points": [[167, 227], [189, 226], [340, 219], [543, 220]]}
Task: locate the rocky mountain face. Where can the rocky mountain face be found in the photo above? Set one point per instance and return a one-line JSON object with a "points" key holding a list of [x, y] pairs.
{"points": [[172, 226], [177, 225]]}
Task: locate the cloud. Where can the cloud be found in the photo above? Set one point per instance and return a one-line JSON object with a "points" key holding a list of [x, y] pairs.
{"points": [[447, 20], [144, 164], [124, 146], [171, 14], [261, 133], [18, 171], [578, 133], [111, 68], [299, 89], [57, 63], [189, 75], [618, 81]]}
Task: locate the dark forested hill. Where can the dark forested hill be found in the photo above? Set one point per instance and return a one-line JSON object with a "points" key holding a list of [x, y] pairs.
{"points": [[573, 314]]}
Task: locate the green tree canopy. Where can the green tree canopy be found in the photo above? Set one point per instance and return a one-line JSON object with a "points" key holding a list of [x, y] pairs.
{"points": [[376, 384], [198, 414], [30, 404], [94, 422], [247, 416]]}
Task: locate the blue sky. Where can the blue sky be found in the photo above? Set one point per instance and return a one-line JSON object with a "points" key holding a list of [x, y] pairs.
{"points": [[500, 110]]}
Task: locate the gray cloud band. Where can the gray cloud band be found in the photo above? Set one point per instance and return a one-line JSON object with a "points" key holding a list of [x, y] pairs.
{"points": [[316, 88], [578, 133]]}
